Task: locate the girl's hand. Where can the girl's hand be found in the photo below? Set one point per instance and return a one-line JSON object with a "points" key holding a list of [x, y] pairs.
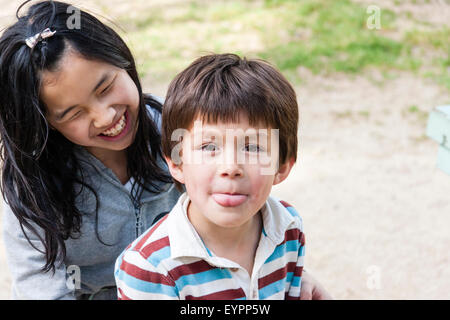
{"points": [[311, 289]]}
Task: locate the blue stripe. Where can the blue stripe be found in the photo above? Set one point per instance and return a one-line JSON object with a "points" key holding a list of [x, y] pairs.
{"points": [[281, 250], [145, 286], [271, 289], [296, 281], [156, 257], [289, 276], [209, 252], [264, 232], [293, 212], [202, 277]]}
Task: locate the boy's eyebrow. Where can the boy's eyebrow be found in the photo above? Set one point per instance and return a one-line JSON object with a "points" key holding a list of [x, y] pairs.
{"points": [[62, 114], [208, 133]]}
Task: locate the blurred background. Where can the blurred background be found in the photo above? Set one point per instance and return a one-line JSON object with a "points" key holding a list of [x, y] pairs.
{"points": [[376, 210]]}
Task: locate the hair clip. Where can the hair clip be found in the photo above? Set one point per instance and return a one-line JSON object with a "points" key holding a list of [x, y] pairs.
{"points": [[32, 41]]}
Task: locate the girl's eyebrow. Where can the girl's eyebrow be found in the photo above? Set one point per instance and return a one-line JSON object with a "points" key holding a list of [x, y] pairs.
{"points": [[61, 115]]}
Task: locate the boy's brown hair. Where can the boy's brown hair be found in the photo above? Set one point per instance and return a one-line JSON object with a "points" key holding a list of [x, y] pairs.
{"points": [[223, 86]]}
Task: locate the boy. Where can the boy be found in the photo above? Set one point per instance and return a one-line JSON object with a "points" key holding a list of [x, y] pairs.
{"points": [[229, 134]]}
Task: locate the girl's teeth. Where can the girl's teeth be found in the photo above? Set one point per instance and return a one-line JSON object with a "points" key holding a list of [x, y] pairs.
{"points": [[117, 129]]}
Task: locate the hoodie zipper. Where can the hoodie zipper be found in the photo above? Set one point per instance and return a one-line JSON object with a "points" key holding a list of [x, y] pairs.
{"points": [[137, 212]]}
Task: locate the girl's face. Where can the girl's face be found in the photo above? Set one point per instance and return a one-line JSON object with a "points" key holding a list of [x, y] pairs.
{"points": [[92, 103]]}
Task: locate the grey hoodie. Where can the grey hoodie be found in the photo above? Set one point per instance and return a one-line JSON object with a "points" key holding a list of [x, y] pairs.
{"points": [[88, 269]]}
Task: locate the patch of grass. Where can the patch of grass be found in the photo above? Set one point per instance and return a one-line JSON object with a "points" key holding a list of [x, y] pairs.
{"points": [[436, 39], [324, 36], [438, 42], [347, 114], [413, 109], [364, 113], [416, 113], [165, 39], [339, 41]]}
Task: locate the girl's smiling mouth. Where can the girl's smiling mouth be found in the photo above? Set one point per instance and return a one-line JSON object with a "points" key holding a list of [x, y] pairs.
{"points": [[118, 130]]}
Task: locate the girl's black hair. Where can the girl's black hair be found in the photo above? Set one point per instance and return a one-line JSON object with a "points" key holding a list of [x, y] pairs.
{"points": [[40, 169]]}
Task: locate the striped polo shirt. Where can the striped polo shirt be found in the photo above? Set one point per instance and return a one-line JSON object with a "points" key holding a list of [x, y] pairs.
{"points": [[170, 261]]}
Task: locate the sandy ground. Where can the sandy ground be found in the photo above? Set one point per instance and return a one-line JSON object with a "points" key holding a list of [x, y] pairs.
{"points": [[374, 205]]}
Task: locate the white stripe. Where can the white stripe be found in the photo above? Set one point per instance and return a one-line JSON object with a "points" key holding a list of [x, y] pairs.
{"points": [[276, 296], [208, 288], [294, 291], [136, 259], [159, 233], [170, 264], [279, 263]]}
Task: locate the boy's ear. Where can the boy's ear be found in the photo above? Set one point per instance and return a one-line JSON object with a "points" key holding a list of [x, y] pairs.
{"points": [[176, 170], [283, 171]]}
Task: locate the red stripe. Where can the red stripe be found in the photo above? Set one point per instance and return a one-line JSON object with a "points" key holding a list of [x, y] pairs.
{"points": [[302, 239], [145, 275], [298, 271], [294, 234], [150, 232], [221, 295], [285, 204], [190, 268], [122, 296], [276, 275], [154, 246]]}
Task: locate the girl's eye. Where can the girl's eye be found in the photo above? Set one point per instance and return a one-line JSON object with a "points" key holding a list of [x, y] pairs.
{"points": [[253, 148], [209, 147], [75, 115], [106, 89]]}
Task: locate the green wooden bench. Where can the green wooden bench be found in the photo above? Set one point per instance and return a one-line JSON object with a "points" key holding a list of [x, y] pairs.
{"points": [[438, 129]]}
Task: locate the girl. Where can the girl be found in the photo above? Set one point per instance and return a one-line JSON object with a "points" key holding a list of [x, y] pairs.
{"points": [[82, 172]]}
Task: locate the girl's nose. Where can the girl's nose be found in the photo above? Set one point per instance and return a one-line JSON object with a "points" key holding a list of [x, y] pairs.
{"points": [[104, 116]]}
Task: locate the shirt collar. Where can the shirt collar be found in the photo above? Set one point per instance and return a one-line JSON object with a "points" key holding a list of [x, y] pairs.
{"points": [[184, 239], [186, 242], [276, 220]]}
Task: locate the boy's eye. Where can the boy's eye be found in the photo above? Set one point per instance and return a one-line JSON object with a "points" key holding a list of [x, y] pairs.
{"points": [[209, 147], [253, 148]]}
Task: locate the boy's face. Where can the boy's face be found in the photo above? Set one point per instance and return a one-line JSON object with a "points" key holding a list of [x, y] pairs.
{"points": [[227, 171]]}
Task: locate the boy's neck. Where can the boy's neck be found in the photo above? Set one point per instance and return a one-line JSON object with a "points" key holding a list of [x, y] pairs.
{"points": [[238, 244]]}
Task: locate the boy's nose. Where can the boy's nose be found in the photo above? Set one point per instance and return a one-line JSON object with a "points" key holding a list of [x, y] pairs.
{"points": [[229, 165], [104, 116], [231, 170]]}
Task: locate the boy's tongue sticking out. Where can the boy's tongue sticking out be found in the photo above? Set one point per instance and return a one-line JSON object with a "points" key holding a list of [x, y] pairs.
{"points": [[228, 199]]}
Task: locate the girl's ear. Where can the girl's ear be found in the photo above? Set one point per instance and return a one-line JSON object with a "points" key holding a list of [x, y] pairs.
{"points": [[283, 171], [176, 170]]}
